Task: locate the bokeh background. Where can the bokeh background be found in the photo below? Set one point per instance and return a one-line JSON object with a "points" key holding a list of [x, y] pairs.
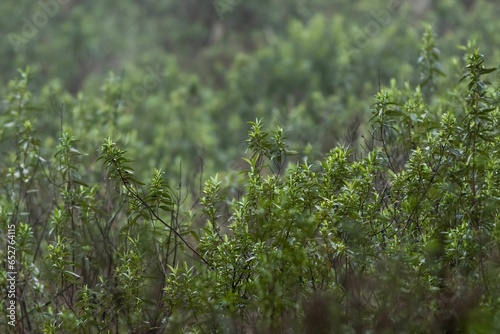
{"points": [[311, 67]]}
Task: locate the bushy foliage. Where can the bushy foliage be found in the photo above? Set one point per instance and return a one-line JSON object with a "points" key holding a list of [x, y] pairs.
{"points": [[402, 235]]}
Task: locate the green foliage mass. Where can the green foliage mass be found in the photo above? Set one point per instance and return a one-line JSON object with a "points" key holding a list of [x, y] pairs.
{"points": [[364, 197], [311, 69], [403, 236]]}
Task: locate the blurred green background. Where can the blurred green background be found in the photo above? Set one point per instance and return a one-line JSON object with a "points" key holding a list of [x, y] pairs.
{"points": [[311, 67]]}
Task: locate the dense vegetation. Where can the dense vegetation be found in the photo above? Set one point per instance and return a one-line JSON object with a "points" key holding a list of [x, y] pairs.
{"points": [[259, 169]]}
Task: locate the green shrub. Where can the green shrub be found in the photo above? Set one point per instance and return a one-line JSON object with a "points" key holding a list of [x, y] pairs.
{"points": [[403, 237]]}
